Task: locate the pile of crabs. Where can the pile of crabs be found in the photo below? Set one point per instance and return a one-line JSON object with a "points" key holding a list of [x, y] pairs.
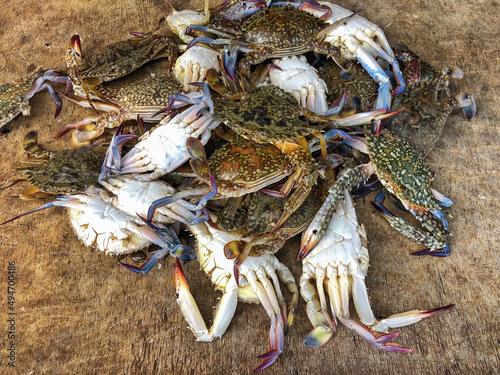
{"points": [[273, 118]]}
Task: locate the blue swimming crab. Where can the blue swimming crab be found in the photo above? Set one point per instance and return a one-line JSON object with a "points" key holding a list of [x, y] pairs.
{"points": [[56, 172], [402, 171], [339, 264], [142, 98], [116, 60], [271, 32], [427, 105]]}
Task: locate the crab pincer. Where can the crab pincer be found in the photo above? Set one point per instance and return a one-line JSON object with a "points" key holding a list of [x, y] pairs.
{"points": [[170, 245]]}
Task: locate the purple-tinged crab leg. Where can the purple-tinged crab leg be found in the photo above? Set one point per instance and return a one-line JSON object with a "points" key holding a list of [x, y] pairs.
{"points": [[208, 96], [337, 106]]}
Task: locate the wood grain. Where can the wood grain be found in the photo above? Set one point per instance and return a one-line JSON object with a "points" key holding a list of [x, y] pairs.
{"points": [[79, 312]]}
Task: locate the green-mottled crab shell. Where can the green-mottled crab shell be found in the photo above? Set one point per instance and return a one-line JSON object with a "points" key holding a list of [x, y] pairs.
{"points": [[153, 91], [402, 171], [424, 116], [13, 98], [245, 162], [267, 114], [66, 172]]}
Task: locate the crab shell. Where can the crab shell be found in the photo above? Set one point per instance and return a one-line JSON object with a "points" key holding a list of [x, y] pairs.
{"points": [[14, 97], [244, 166]]}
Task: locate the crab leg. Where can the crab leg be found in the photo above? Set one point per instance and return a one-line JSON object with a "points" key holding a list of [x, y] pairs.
{"points": [[324, 326], [394, 321], [437, 245], [288, 279]]}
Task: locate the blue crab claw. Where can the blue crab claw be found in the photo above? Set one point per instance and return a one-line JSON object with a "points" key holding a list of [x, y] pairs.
{"points": [[378, 123], [468, 105], [413, 233], [229, 61], [380, 341], [332, 133], [208, 96], [443, 201], [242, 9], [440, 253], [147, 265], [337, 106]]}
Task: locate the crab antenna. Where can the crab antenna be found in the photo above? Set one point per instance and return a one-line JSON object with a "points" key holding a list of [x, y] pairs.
{"points": [[169, 3]]}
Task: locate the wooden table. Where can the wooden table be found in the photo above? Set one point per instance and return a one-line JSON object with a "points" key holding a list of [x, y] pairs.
{"points": [[79, 312]]}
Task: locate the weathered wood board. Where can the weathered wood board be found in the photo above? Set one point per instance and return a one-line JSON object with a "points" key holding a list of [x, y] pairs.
{"points": [[79, 312]]}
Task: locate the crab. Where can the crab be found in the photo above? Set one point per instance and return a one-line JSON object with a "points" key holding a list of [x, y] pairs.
{"points": [[56, 172], [144, 99], [403, 173], [234, 170], [254, 286], [108, 229], [340, 262], [272, 32], [194, 64], [359, 39], [15, 96], [116, 60], [162, 149], [427, 105], [300, 79]]}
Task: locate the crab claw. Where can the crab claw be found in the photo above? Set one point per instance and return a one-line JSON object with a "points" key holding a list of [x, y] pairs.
{"points": [[468, 105], [318, 337], [229, 61], [441, 253], [377, 340], [407, 318], [147, 265], [75, 45], [188, 305]]}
